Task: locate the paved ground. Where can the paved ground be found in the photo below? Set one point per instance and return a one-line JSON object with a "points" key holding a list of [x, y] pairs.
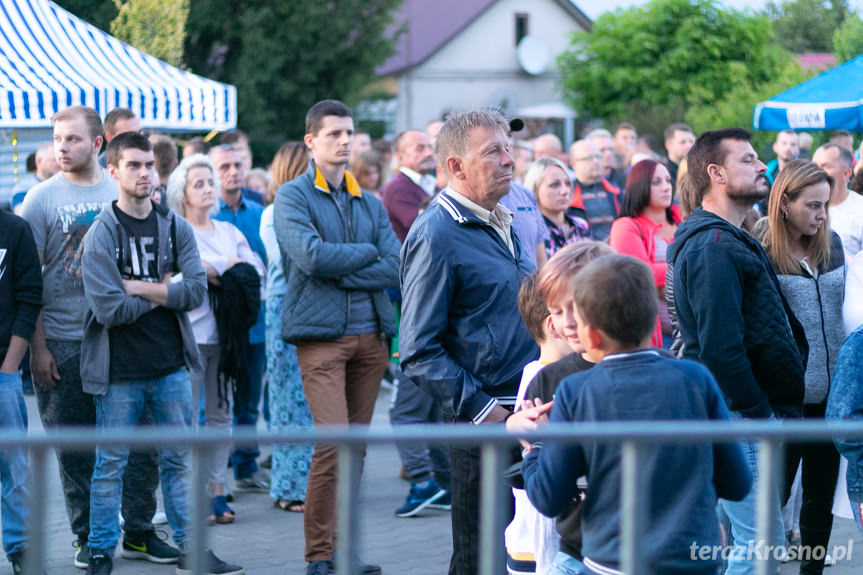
{"points": [[267, 541]]}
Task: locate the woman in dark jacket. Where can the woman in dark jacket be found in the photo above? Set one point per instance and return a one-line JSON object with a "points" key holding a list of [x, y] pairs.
{"points": [[810, 264]]}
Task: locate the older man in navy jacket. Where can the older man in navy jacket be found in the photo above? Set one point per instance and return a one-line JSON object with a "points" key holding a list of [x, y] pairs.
{"points": [[462, 338]]}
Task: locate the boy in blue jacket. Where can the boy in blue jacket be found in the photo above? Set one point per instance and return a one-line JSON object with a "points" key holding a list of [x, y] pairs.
{"points": [[615, 307]]}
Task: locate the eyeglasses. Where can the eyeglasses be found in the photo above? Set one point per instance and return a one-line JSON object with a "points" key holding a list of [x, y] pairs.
{"points": [[588, 158]]}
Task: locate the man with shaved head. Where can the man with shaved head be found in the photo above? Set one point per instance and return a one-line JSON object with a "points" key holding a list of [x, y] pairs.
{"points": [[593, 193], [413, 185], [547, 146]]}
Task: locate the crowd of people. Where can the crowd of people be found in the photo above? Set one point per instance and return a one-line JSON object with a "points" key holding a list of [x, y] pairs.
{"points": [[492, 280]]}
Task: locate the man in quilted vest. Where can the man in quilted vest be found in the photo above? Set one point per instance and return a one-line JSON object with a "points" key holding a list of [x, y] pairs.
{"points": [[339, 255]]}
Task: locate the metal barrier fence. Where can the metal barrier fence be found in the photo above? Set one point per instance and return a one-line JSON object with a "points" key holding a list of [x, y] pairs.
{"points": [[495, 442]]}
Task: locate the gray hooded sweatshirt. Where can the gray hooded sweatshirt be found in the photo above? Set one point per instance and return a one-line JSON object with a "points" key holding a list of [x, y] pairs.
{"points": [[108, 303]]}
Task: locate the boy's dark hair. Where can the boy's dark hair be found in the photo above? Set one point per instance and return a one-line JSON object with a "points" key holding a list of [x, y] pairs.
{"points": [[234, 137], [706, 150], [673, 128], [532, 308], [316, 114], [617, 295], [126, 141], [115, 116]]}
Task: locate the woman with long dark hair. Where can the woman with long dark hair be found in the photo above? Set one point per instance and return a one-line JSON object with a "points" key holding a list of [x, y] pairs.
{"points": [[646, 226], [809, 262]]}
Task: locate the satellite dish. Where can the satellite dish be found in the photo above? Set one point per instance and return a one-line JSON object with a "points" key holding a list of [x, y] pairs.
{"points": [[532, 54]]}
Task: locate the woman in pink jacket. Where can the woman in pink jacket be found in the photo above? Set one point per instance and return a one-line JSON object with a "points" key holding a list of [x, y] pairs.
{"points": [[646, 226]]}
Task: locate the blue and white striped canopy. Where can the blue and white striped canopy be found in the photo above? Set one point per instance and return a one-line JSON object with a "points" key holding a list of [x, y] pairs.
{"points": [[49, 59]]}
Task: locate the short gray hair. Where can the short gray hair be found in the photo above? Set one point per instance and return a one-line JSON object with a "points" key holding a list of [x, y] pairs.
{"points": [[599, 133], [537, 170], [175, 190], [452, 140]]}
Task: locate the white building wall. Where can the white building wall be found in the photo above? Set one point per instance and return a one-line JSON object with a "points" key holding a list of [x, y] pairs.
{"points": [[479, 67]]}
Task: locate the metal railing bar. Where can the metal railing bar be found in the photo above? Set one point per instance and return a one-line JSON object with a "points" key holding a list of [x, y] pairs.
{"points": [[347, 550], [633, 509], [770, 455], [682, 432], [198, 533], [492, 556], [36, 551]]}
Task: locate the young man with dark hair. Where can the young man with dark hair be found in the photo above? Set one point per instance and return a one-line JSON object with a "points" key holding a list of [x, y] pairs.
{"points": [[730, 311], [678, 140], [339, 256], [118, 121], [60, 210], [787, 148], [141, 273], [20, 300], [614, 302]]}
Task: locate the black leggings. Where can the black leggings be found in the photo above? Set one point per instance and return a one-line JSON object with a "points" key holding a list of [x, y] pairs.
{"points": [[819, 473]]}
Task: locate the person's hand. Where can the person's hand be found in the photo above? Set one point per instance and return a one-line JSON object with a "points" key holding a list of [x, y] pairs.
{"points": [[532, 416], [497, 415], [43, 368]]}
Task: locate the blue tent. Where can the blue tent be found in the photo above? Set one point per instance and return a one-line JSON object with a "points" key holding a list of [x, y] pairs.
{"points": [[832, 100], [49, 59]]}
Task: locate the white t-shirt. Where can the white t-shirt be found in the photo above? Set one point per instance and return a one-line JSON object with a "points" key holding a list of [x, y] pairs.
{"points": [[530, 534], [60, 213], [846, 219]]}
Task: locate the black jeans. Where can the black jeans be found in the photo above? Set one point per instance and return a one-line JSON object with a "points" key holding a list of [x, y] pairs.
{"points": [[66, 404], [464, 483], [818, 479]]}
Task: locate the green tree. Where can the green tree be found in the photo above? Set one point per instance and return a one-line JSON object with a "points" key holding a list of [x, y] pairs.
{"points": [[157, 27], [284, 56], [100, 13], [807, 25], [663, 58], [848, 39], [735, 107]]}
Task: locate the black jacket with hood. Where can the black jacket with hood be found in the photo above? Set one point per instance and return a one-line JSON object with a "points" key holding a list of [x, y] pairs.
{"points": [[734, 319]]}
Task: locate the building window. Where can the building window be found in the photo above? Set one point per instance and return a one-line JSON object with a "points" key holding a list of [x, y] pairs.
{"points": [[521, 26]]}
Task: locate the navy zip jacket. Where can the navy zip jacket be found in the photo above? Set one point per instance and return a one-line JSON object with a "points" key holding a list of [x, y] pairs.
{"points": [[462, 338], [734, 319], [682, 481]]}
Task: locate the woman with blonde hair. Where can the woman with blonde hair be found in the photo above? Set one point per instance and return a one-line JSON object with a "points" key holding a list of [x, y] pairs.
{"points": [[288, 406], [193, 193], [548, 179], [809, 262]]}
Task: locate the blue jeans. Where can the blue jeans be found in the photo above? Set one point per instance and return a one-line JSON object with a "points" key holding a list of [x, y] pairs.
{"points": [[14, 471], [246, 401], [170, 401], [564, 564], [856, 507], [742, 516]]}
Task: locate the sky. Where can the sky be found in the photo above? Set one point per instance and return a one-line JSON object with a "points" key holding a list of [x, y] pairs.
{"points": [[594, 8]]}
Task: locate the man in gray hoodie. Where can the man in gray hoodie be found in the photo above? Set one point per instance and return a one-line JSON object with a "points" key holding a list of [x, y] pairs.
{"points": [[142, 273]]}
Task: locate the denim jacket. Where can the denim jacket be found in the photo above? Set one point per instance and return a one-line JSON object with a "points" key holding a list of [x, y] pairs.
{"points": [[845, 403]]}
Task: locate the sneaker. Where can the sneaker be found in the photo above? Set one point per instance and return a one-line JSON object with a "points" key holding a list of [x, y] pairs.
{"points": [[318, 568], [257, 482], [212, 565], [17, 559], [149, 547], [444, 503], [82, 554], [419, 497], [100, 562]]}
